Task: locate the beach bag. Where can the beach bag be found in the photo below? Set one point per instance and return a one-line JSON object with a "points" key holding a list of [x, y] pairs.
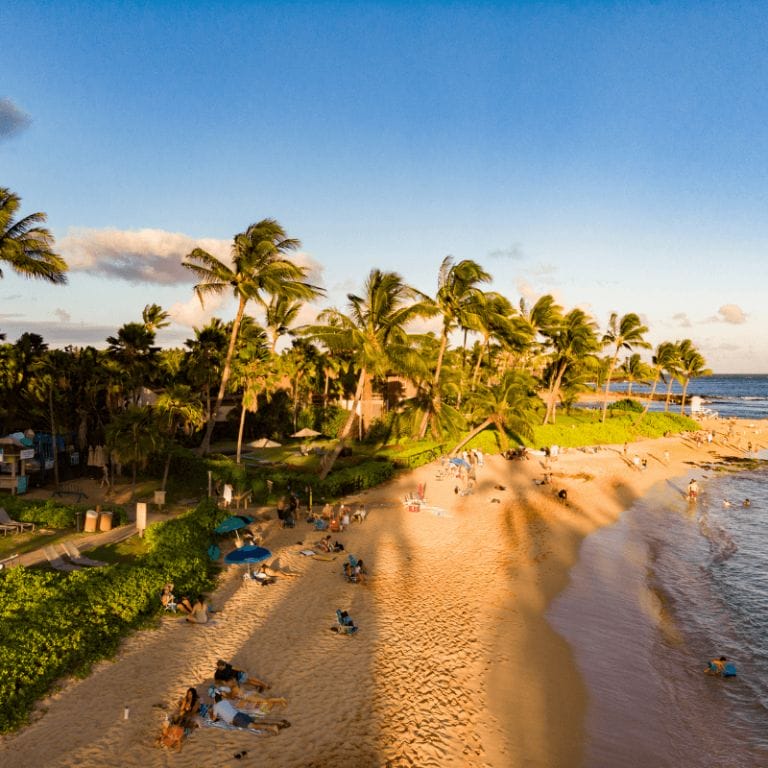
{"points": [[172, 736]]}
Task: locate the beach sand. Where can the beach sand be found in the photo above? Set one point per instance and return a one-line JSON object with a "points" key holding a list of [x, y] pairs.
{"points": [[454, 663]]}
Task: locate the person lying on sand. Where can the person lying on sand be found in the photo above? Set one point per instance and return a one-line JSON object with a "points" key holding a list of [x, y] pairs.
{"points": [[265, 703], [226, 711], [226, 674]]}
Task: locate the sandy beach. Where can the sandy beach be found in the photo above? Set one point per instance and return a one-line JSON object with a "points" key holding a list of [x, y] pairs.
{"points": [[454, 663]]}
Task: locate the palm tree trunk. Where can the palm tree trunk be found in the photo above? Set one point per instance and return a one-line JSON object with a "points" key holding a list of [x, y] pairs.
{"points": [[682, 397], [225, 374], [166, 471], [650, 396], [608, 387], [240, 431], [330, 460], [476, 372], [554, 392], [476, 431], [435, 386], [669, 394]]}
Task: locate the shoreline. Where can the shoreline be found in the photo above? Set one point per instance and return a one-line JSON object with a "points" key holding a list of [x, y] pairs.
{"points": [[455, 663]]}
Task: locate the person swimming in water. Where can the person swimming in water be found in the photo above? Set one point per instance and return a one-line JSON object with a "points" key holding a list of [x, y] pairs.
{"points": [[693, 490], [746, 503]]}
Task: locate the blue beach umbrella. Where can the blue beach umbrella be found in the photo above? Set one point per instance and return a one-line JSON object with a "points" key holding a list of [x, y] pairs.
{"points": [[233, 523], [247, 555], [459, 462]]}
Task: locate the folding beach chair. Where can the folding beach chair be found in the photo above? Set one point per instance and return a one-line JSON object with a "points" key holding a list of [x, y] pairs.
{"points": [[344, 623]]}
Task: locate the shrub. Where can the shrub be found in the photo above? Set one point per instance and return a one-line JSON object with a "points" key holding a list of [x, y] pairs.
{"points": [[627, 404]]}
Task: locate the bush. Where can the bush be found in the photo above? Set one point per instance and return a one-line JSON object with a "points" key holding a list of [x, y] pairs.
{"points": [[55, 624], [627, 404]]}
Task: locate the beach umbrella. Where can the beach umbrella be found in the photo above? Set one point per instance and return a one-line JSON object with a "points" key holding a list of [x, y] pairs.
{"points": [[233, 523], [306, 432], [247, 555], [459, 462], [264, 442]]}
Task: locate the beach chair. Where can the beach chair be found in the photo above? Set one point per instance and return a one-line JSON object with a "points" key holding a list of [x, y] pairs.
{"points": [[344, 623], [349, 569], [6, 521], [71, 551], [57, 561]]}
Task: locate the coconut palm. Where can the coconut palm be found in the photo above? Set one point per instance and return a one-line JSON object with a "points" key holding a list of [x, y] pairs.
{"points": [[457, 300], [664, 357], [493, 320], [178, 409], [205, 358], [259, 270], [280, 313], [572, 342], [692, 364], [25, 246], [506, 406], [623, 333], [373, 332], [155, 317], [635, 371], [132, 437]]}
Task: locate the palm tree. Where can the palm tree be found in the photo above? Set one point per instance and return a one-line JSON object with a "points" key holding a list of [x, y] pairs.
{"points": [[281, 312], [205, 358], [373, 333], [259, 269], [25, 246], [573, 341], [634, 370], [458, 302], [178, 410], [507, 406], [155, 317], [624, 333], [492, 320], [692, 365], [664, 357], [132, 437]]}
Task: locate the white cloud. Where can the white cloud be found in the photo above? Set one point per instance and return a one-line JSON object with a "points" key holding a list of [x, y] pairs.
{"points": [[137, 256], [682, 319], [191, 314], [731, 313], [62, 315]]}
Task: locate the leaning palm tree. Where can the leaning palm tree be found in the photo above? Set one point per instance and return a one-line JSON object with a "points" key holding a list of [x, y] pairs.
{"points": [[25, 246], [373, 331], [506, 406], [458, 301], [259, 269], [623, 333], [692, 365]]}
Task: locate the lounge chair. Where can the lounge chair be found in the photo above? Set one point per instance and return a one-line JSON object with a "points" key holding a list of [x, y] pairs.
{"points": [[6, 522], [77, 557], [58, 562]]}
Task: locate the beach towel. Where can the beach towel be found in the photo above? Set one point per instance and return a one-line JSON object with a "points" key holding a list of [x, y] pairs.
{"points": [[307, 552]]}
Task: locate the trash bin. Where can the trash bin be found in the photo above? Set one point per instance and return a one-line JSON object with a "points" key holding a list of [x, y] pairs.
{"points": [[160, 498], [91, 521], [105, 521]]}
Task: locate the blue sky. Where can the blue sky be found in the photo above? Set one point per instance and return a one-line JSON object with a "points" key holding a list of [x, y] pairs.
{"points": [[613, 154]]}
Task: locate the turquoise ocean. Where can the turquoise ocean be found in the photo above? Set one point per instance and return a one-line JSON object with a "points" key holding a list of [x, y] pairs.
{"points": [[669, 586]]}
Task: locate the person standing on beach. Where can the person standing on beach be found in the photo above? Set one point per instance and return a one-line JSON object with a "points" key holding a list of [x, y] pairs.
{"points": [[693, 490]]}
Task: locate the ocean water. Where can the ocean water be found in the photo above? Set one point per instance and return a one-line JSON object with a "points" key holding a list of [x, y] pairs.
{"points": [[651, 600], [744, 396]]}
